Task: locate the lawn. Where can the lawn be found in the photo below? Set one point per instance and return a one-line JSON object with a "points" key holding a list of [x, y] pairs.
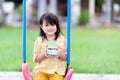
{"points": [[92, 50]]}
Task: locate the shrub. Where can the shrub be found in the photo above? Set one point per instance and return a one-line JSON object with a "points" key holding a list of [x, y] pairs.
{"points": [[20, 10], [83, 18]]}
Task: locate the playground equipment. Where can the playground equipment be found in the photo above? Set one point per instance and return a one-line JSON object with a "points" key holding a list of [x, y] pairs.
{"points": [[25, 69]]}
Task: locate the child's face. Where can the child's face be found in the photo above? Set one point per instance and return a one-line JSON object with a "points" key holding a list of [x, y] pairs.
{"points": [[49, 29]]}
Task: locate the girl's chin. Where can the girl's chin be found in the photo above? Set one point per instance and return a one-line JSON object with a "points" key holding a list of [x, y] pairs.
{"points": [[50, 34]]}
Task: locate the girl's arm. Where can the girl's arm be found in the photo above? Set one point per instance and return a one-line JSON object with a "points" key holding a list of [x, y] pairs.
{"points": [[62, 49], [40, 57], [61, 55], [38, 54]]}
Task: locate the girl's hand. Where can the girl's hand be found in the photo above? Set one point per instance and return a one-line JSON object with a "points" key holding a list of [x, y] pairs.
{"points": [[41, 56], [44, 52], [61, 55]]}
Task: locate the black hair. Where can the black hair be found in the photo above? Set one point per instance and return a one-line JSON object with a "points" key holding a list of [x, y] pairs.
{"points": [[51, 19]]}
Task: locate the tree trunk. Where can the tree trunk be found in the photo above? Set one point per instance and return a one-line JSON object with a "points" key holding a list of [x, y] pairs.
{"points": [[108, 11]]}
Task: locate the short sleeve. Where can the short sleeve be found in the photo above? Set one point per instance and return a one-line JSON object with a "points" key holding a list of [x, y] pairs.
{"points": [[37, 47]]}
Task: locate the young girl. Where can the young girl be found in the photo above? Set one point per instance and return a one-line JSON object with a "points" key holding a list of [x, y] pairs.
{"points": [[49, 67]]}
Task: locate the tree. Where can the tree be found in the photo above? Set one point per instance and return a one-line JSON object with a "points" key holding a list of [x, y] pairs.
{"points": [[98, 4]]}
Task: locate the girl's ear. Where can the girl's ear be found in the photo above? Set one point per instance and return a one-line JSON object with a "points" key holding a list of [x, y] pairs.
{"points": [[40, 26]]}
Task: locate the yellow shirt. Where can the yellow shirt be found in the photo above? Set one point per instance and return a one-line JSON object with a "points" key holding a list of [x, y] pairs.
{"points": [[49, 65]]}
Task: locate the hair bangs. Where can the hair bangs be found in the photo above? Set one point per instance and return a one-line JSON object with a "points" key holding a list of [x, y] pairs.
{"points": [[50, 20]]}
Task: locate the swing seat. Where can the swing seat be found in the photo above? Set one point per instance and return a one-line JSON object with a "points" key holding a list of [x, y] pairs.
{"points": [[26, 72], [69, 74], [28, 76]]}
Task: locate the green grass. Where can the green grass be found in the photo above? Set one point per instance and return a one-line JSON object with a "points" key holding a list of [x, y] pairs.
{"points": [[95, 51], [92, 50]]}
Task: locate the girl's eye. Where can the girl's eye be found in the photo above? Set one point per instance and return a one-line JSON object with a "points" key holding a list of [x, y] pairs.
{"points": [[53, 24], [46, 25]]}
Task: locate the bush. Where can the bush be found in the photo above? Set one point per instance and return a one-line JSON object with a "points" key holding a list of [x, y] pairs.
{"points": [[83, 18], [20, 10]]}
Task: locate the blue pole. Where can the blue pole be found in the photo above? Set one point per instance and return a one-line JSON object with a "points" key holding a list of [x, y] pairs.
{"points": [[24, 31], [68, 30]]}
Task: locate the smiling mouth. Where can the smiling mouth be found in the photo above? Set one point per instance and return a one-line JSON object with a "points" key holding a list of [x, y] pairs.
{"points": [[50, 31]]}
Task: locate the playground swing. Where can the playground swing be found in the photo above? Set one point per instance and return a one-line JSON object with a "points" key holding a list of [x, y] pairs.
{"points": [[25, 69]]}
